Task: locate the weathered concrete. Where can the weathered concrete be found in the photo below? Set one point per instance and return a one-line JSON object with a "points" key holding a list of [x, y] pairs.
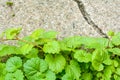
{"points": [[63, 16]]}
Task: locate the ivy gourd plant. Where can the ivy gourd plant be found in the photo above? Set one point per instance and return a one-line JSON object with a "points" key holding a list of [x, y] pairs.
{"points": [[41, 56]]}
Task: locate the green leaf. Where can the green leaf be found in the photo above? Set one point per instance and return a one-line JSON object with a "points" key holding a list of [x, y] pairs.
{"points": [[35, 66], [86, 76], [25, 40], [67, 77], [82, 56], [2, 71], [50, 34], [33, 53], [13, 64], [116, 39], [96, 43], [2, 46], [17, 75], [115, 51], [116, 77], [117, 71], [64, 47], [73, 70], [97, 66], [9, 49], [50, 75], [107, 72], [107, 59], [12, 32], [111, 33], [56, 62], [37, 76], [37, 34], [85, 66], [72, 42], [52, 47], [115, 63], [25, 49], [99, 75], [97, 59]]}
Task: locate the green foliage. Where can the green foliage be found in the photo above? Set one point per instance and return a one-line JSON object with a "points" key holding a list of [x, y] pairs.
{"points": [[9, 3], [17, 75], [12, 33], [34, 68], [52, 47], [13, 64], [82, 56], [56, 62], [73, 70], [41, 56], [116, 39]]}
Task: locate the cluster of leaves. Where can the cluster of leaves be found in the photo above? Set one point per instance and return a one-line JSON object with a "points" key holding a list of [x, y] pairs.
{"points": [[40, 56]]}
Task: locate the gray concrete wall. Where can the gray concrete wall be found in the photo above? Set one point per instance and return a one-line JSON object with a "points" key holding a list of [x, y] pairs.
{"points": [[63, 16]]}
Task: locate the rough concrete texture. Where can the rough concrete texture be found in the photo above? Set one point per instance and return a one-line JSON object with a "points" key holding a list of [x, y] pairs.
{"points": [[63, 16]]}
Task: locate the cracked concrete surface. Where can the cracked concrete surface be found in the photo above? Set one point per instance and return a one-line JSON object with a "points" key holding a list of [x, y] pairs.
{"points": [[60, 15], [88, 18], [105, 13]]}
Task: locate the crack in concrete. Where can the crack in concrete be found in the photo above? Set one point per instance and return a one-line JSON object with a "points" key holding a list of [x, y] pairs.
{"points": [[88, 19]]}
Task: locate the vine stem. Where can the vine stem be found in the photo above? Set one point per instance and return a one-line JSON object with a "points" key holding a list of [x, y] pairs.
{"points": [[18, 39]]}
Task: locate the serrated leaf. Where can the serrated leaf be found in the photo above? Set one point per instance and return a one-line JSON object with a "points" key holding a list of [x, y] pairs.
{"points": [[115, 63], [35, 66], [73, 70], [37, 34], [97, 59], [13, 64], [115, 51], [52, 47], [42, 41], [33, 53], [97, 43], [50, 34], [107, 59], [50, 75], [116, 39], [116, 77], [17, 75], [73, 42], [12, 32], [9, 49], [97, 66], [37, 76], [107, 72], [118, 71], [63, 46], [67, 77], [56, 62], [82, 56], [86, 76], [25, 49]]}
